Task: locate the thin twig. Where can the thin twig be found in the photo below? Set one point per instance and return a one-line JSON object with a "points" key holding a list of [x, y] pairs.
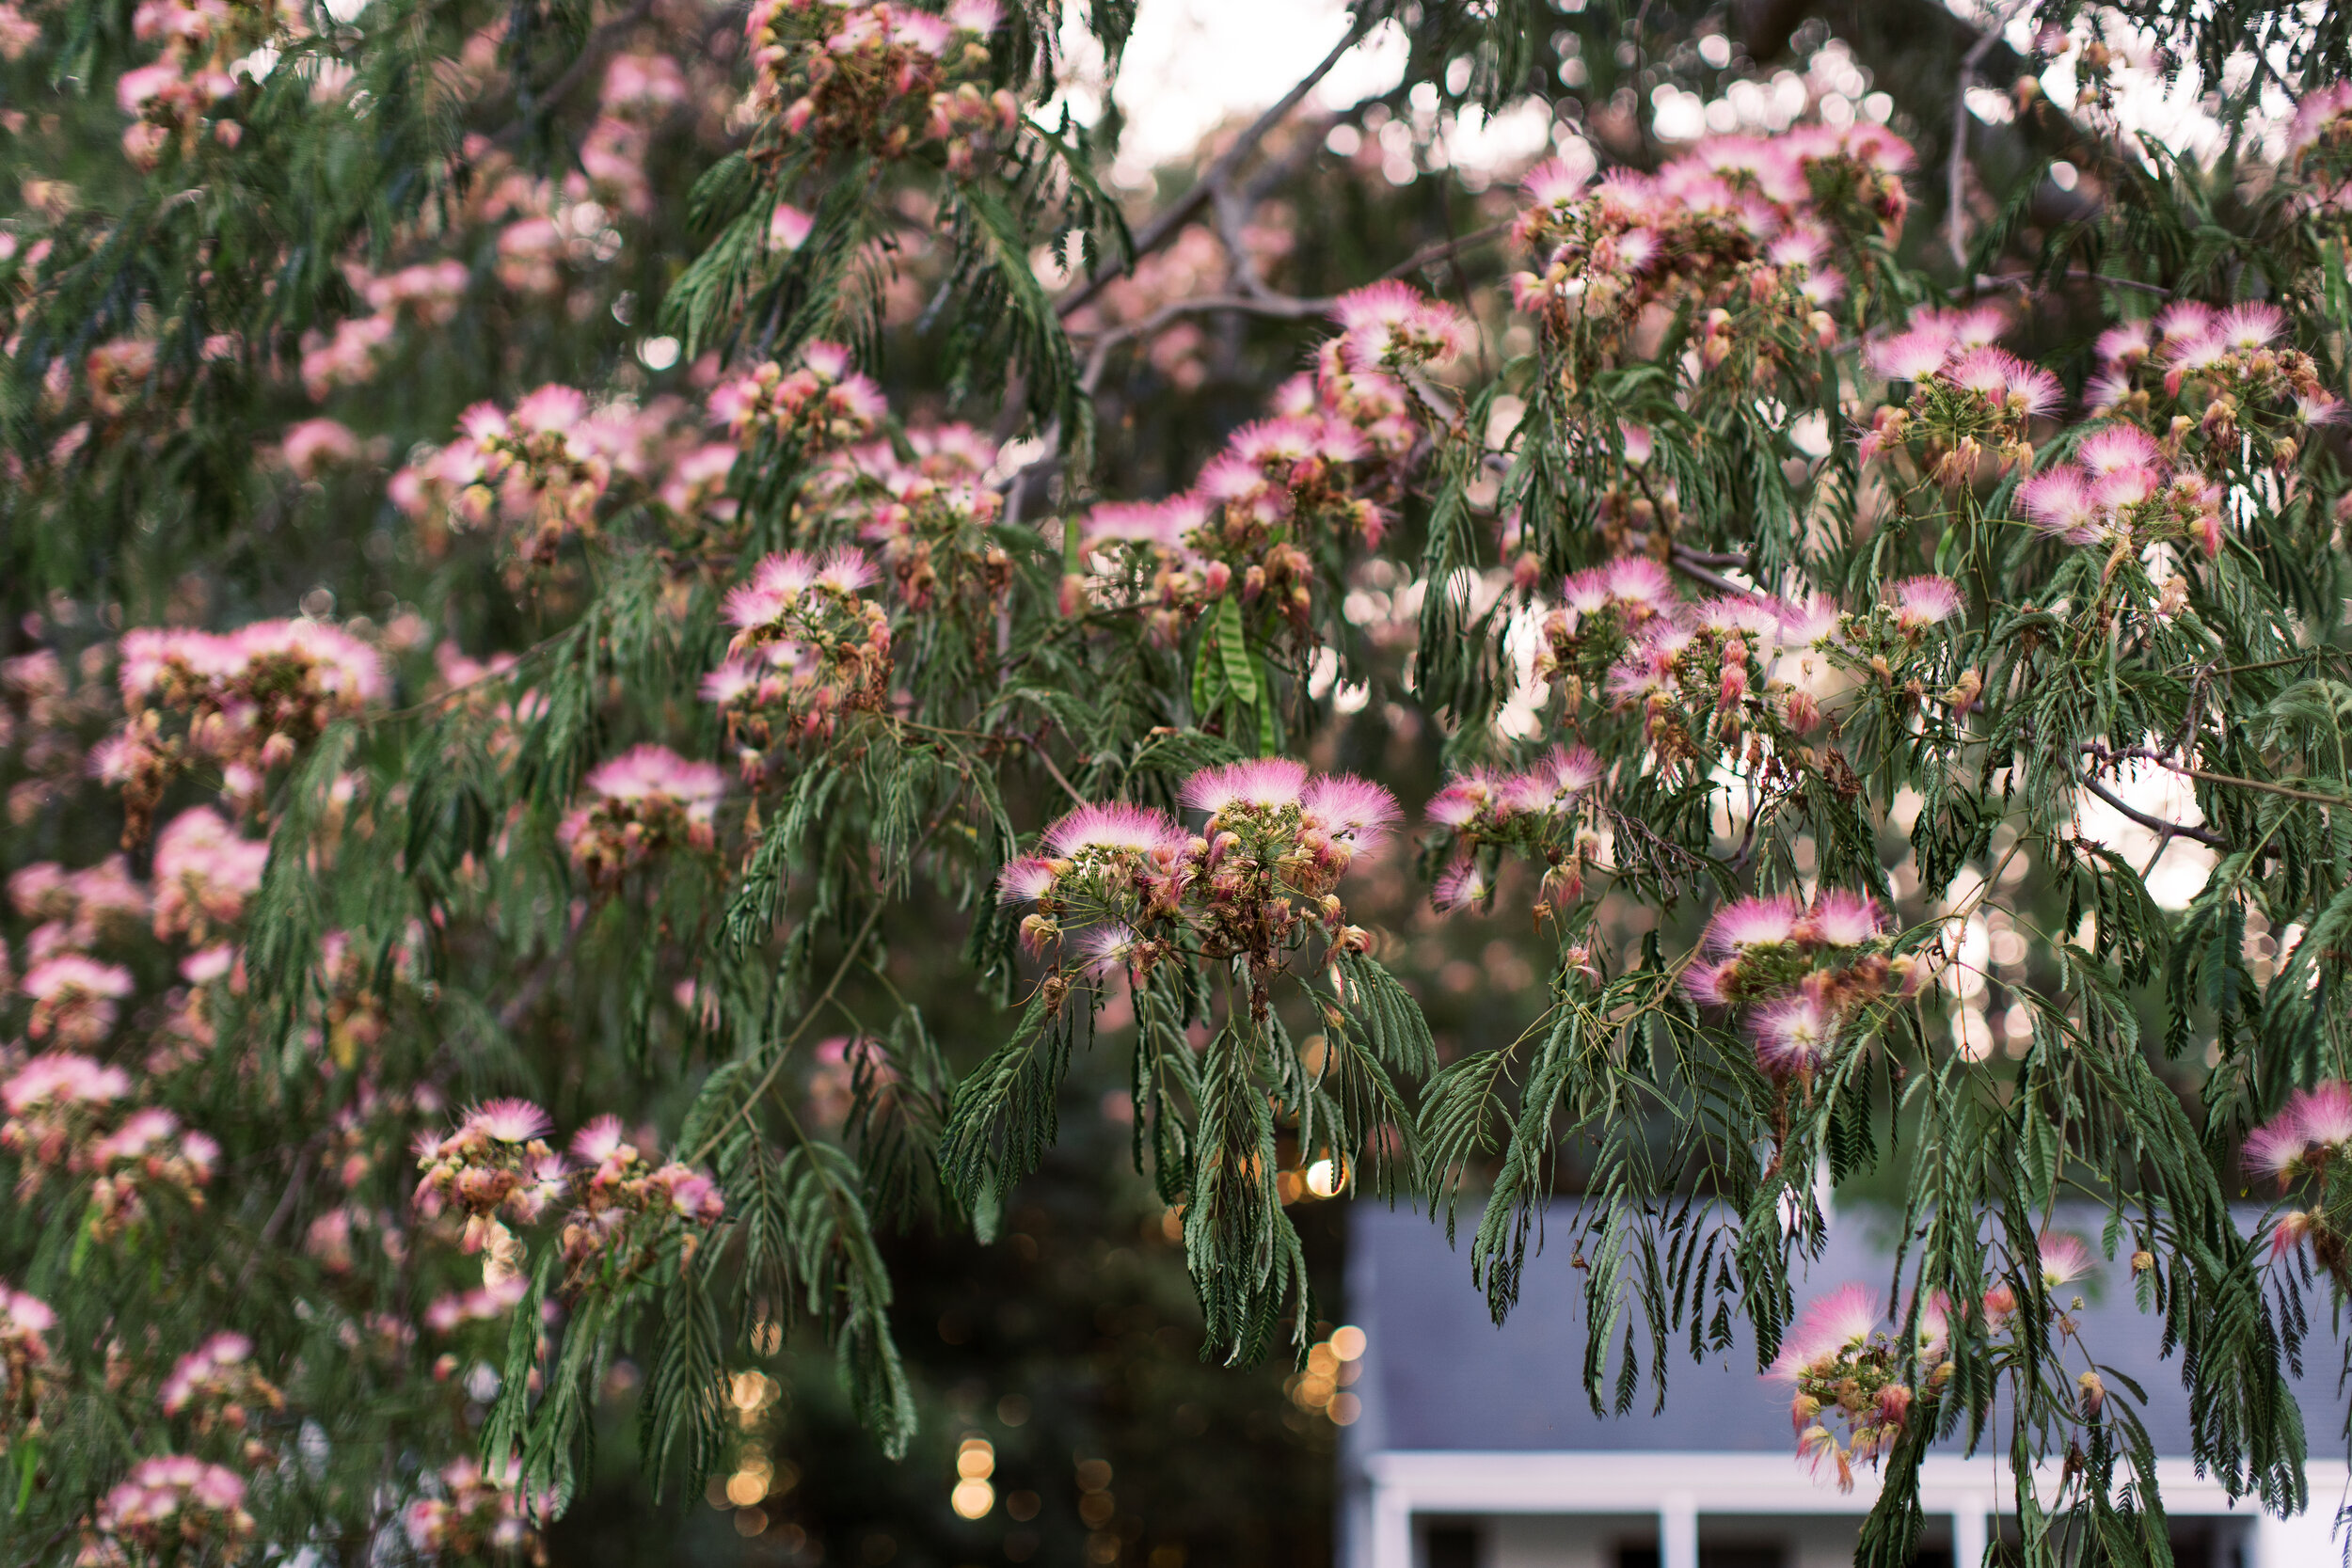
{"points": [[2149, 753], [807, 1018], [1165, 225], [1007, 739], [1446, 248], [2028, 281], [1226, 211], [1037, 749], [493, 677]]}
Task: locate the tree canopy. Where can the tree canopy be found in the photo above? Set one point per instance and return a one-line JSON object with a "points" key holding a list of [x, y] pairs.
{"points": [[669, 663]]}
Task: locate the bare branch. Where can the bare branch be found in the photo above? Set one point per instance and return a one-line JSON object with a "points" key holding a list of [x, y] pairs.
{"points": [[1165, 225], [1690, 563], [1446, 248], [2203, 835], [1284, 307], [2028, 281], [1957, 165], [2107, 755]]}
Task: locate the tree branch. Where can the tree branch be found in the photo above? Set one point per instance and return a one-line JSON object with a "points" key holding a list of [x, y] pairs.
{"points": [[2149, 753], [1957, 163], [784, 1051], [2203, 835], [1690, 563], [1446, 248], [2028, 281], [1284, 307], [1165, 225]]}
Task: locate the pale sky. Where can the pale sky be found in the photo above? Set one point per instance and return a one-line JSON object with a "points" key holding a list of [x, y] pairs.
{"points": [[1195, 63]]}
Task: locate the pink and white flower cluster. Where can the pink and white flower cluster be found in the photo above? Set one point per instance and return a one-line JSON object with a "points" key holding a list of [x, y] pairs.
{"points": [[218, 1386], [648, 800], [496, 1163], [1968, 398], [65, 1119], [1801, 971], [544, 472], [2225, 371], [932, 521], [169, 98], [541, 470], [639, 91], [75, 998], [247, 701], [2307, 1138], [1537, 810], [425, 292], [206, 870], [2309, 1141], [809, 650], [881, 77], [1127, 886], [477, 1512], [148, 1154], [497, 1167], [24, 1364], [2322, 127], [77, 910], [1848, 1367], [1329, 466], [626, 1203], [820, 405], [1739, 224], [2120, 491], [1722, 666], [1391, 327], [171, 1507]]}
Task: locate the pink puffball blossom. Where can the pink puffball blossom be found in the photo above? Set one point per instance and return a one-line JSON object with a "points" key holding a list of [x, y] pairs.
{"points": [[1747, 923], [2313, 1127], [1921, 602], [173, 1501], [1116, 828], [648, 799], [1350, 808], [478, 1512], [1263, 783], [1832, 1325], [2065, 1259], [1391, 323], [75, 998], [1462, 886], [1793, 1036], [204, 873]]}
